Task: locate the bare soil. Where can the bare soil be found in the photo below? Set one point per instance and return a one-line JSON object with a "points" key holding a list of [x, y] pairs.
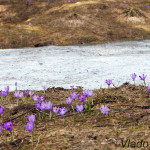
{"points": [[129, 118]]}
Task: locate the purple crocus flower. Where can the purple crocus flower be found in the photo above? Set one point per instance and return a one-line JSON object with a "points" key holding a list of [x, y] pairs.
{"points": [[62, 111], [38, 105], [148, 87], [108, 82], [72, 87], [8, 126], [42, 106], [7, 89], [80, 108], [133, 76], [16, 94], [82, 98], [104, 109], [35, 97], [30, 126], [44, 88], [4, 93], [142, 77], [15, 83], [69, 100], [21, 94], [1, 110], [55, 109], [74, 95], [41, 98], [26, 92], [90, 93], [48, 105], [33, 18], [85, 92], [31, 118], [31, 93], [0, 130]]}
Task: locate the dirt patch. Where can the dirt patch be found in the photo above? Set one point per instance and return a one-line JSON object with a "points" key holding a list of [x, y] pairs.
{"points": [[128, 119]]}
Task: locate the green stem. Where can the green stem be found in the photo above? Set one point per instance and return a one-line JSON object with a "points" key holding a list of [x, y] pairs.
{"points": [[12, 136], [17, 101], [64, 121], [92, 100], [54, 119], [72, 107], [32, 138], [50, 115], [82, 118]]}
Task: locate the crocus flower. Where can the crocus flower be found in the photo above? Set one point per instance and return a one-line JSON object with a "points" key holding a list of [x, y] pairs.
{"points": [[4, 93], [8, 126], [33, 18], [21, 94], [31, 93], [142, 77], [104, 109], [41, 98], [148, 87], [62, 111], [85, 92], [35, 97], [80, 108], [44, 88], [7, 89], [90, 93], [82, 98], [48, 105], [15, 83], [55, 109], [108, 82], [30, 126], [133, 76], [42, 106], [31, 118], [1, 110], [74, 95], [72, 87], [38, 105], [69, 100], [0, 130], [16, 94], [26, 92]]}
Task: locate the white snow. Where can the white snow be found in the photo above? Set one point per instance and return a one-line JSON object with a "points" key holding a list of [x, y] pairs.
{"points": [[62, 66]]}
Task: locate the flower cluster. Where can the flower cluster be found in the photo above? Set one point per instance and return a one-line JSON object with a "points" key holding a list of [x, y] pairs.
{"points": [[5, 93], [30, 123], [18, 94]]}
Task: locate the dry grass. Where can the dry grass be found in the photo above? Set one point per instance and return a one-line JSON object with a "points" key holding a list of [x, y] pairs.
{"points": [[64, 23], [96, 132]]}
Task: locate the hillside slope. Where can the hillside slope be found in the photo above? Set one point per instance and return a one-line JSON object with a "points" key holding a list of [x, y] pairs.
{"points": [[40, 23]]}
